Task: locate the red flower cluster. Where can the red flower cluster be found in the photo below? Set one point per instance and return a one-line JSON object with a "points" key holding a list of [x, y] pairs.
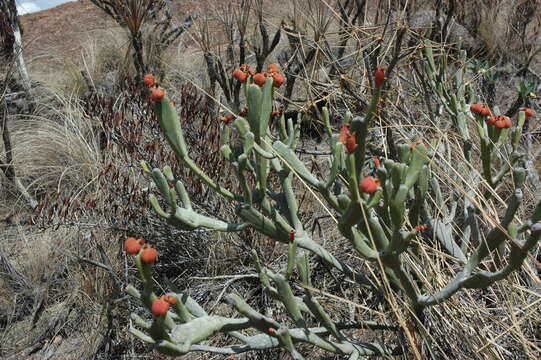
{"points": [[156, 94], [500, 121], [133, 246], [161, 306], [149, 80], [369, 185], [348, 139], [528, 112], [480, 109], [149, 255], [243, 72]]}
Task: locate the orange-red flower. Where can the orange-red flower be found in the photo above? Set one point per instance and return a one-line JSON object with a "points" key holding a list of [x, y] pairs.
{"points": [[369, 185], [273, 68], [132, 245], [480, 109], [241, 74], [149, 80], [504, 124], [500, 121], [348, 139], [169, 299], [149, 254], [237, 73], [379, 77], [278, 80], [259, 79], [157, 94], [528, 112], [159, 307]]}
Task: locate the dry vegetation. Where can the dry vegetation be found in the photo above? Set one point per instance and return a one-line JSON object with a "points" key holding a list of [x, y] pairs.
{"points": [[62, 271]]}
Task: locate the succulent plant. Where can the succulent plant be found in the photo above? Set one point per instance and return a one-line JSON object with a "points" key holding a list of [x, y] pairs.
{"points": [[379, 216]]}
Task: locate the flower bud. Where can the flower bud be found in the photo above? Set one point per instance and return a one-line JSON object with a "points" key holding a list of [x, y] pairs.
{"points": [[379, 77], [348, 139]]}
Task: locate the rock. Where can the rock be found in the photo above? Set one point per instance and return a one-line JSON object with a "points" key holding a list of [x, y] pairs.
{"points": [[457, 32]]}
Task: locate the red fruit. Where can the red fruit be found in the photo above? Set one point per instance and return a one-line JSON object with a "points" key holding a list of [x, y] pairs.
{"points": [[149, 255], [273, 68], [244, 68], [528, 112], [348, 139], [244, 111], [259, 79], [149, 80], [278, 80], [369, 185], [379, 77], [159, 307], [272, 331], [132, 245], [480, 109], [157, 94], [420, 228]]}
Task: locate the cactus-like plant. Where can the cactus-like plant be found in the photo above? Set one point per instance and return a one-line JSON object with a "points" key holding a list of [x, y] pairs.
{"points": [[379, 217]]}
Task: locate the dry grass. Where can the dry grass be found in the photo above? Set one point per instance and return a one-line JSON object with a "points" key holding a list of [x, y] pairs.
{"points": [[59, 149]]}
